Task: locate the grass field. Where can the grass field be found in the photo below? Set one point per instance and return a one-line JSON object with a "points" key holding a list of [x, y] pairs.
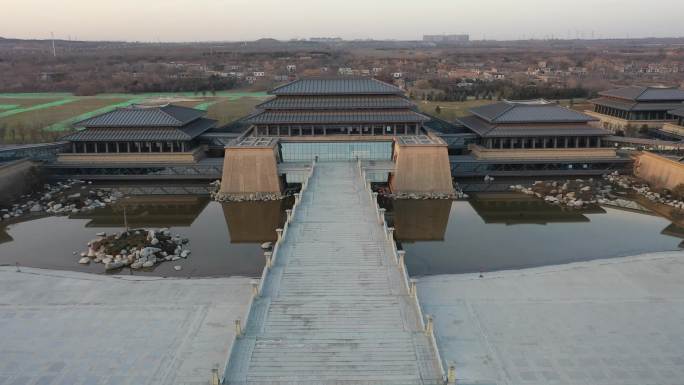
{"points": [[38, 117], [452, 110]]}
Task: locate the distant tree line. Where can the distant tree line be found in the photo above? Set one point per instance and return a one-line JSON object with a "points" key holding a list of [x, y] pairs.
{"points": [[443, 90]]}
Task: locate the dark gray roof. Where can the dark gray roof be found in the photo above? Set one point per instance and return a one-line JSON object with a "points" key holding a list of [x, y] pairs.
{"points": [[337, 86], [124, 134], [646, 94], [678, 112], [333, 117], [626, 105], [335, 102], [489, 130], [529, 112], [140, 116]]}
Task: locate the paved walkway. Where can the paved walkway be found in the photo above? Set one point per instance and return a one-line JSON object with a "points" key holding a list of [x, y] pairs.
{"points": [[68, 328], [334, 309], [603, 322]]}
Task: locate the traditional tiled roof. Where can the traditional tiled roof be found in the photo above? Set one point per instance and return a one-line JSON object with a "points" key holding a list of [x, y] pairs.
{"points": [[140, 116], [335, 102], [626, 105], [333, 117], [488, 130], [337, 86], [123, 134], [529, 112], [678, 112], [646, 94]]}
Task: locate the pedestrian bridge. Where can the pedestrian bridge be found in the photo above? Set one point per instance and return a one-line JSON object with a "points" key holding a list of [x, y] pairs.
{"points": [[335, 304]]}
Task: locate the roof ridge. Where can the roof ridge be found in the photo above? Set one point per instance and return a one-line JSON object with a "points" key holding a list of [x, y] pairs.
{"points": [[168, 114], [510, 107], [283, 85], [643, 91]]}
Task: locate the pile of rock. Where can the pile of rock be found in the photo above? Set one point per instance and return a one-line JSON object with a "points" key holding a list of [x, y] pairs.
{"points": [[62, 198], [252, 197], [574, 193], [630, 183], [140, 248], [422, 196]]}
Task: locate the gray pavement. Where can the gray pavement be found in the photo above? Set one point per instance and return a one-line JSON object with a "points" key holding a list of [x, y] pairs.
{"points": [[605, 322], [67, 328]]}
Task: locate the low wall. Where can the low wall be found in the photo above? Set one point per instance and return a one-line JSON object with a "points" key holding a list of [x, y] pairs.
{"points": [[17, 178], [137, 158], [658, 171], [673, 129], [542, 153], [613, 123]]}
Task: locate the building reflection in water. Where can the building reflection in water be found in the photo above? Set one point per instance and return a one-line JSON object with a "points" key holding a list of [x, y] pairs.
{"points": [[513, 209], [512, 231], [148, 211], [419, 220], [254, 222]]}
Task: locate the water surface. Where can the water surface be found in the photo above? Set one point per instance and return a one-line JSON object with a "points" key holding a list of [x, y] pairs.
{"points": [[490, 232], [512, 231], [224, 238]]}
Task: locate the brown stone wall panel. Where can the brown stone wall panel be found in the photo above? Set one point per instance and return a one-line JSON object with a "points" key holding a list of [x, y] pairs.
{"points": [[421, 169], [658, 171]]}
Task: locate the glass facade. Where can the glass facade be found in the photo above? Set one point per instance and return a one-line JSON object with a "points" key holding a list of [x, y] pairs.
{"points": [[336, 151]]}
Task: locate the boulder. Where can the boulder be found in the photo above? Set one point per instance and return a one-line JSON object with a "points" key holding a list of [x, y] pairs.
{"points": [[84, 261], [148, 263], [36, 208], [149, 251], [114, 265], [177, 268]]}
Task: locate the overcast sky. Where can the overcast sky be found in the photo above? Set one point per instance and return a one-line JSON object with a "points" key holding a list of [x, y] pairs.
{"points": [[231, 20]]}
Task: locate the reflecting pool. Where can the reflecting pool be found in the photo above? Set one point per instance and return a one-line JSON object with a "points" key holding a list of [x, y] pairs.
{"points": [[225, 238], [512, 231], [487, 233]]}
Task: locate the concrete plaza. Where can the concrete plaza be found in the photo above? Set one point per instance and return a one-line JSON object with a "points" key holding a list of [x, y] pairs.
{"points": [[617, 321], [82, 329]]}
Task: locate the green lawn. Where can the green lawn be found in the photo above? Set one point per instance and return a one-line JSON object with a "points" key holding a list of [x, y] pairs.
{"points": [[36, 117], [450, 110]]}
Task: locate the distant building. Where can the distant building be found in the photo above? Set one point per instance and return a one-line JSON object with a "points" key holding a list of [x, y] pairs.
{"points": [[348, 106], [139, 134], [447, 38], [637, 107], [535, 137], [52, 76], [345, 71], [325, 39]]}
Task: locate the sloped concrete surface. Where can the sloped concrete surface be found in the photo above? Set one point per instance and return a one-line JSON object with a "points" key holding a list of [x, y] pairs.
{"points": [[82, 329], [617, 321]]}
